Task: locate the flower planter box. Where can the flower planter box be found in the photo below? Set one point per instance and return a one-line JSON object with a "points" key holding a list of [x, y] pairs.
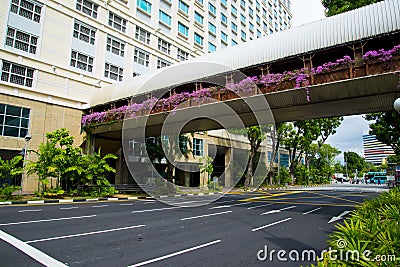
{"points": [[331, 76], [379, 67]]}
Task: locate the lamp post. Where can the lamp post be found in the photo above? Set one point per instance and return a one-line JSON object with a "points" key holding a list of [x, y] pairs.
{"points": [[27, 139], [396, 105]]}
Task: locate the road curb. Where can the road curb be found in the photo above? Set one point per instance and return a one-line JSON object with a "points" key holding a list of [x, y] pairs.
{"points": [[81, 200]]}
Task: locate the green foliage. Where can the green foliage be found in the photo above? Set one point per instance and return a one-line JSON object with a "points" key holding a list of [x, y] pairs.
{"points": [[9, 168], [6, 191], [56, 192], [374, 226], [334, 7], [207, 165], [386, 128], [354, 162]]}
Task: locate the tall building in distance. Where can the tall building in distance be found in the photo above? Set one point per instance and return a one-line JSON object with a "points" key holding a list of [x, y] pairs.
{"points": [[54, 54], [375, 152]]}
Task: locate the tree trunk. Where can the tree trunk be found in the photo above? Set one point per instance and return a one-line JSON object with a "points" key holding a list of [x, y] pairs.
{"points": [[249, 174]]}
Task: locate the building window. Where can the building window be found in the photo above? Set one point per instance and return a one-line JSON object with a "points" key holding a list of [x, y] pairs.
{"points": [[223, 2], [113, 72], [251, 12], [14, 121], [198, 39], [27, 9], [224, 37], [116, 22], [212, 9], [84, 32], [198, 18], [243, 34], [212, 28], [257, 5], [251, 26], [141, 57], [161, 63], [115, 46], [17, 74], [164, 46], [224, 19], [234, 42], [81, 61], [258, 19], [234, 27], [165, 18], [243, 3], [183, 6], [183, 29], [198, 147], [182, 55], [258, 34], [144, 5], [199, 1], [243, 19], [87, 7], [211, 47], [142, 35], [233, 11], [21, 40]]}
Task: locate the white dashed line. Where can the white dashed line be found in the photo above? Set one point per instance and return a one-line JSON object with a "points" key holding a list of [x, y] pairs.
{"points": [[310, 211], [49, 220], [68, 208], [169, 208], [205, 215], [29, 210], [271, 224], [228, 206], [100, 206], [259, 206]]}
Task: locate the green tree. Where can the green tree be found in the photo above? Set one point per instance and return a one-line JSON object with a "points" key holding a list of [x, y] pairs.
{"points": [[9, 169], [334, 7], [354, 162], [277, 136], [386, 128], [256, 135]]}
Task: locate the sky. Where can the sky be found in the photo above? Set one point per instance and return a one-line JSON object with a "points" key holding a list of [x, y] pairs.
{"points": [[349, 134]]}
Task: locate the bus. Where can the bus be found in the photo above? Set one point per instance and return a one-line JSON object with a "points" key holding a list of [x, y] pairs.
{"points": [[375, 177], [393, 176]]}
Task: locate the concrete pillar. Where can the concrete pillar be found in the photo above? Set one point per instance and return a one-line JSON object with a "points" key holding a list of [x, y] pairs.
{"points": [[118, 166], [228, 168]]}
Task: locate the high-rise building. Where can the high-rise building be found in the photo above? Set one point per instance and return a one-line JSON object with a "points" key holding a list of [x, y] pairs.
{"points": [[375, 151], [54, 53]]}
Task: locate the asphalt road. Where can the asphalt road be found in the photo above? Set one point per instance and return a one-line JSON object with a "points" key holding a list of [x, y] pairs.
{"points": [[228, 232]]}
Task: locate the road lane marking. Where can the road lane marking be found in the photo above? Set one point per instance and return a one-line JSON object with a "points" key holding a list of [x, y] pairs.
{"points": [[228, 206], [175, 254], [49, 220], [310, 211], [259, 206], [272, 195], [29, 210], [100, 206], [32, 252], [271, 224], [279, 210], [339, 198], [226, 201], [68, 208], [312, 203], [126, 204], [84, 234], [186, 202], [340, 216], [205, 215], [159, 209]]}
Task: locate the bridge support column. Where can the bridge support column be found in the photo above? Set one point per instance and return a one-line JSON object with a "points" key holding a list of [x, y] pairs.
{"points": [[228, 174]]}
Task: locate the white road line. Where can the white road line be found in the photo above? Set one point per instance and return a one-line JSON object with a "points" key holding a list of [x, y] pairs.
{"points": [[226, 201], [174, 254], [29, 210], [100, 206], [159, 209], [279, 210], [228, 206], [83, 234], [271, 224], [310, 211], [126, 204], [68, 208], [49, 220], [205, 215], [186, 202], [259, 206], [31, 251]]}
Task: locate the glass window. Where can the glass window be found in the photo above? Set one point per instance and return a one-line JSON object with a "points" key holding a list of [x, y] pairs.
{"points": [[141, 57], [164, 46], [234, 27], [243, 19], [113, 72], [243, 3], [198, 39], [115, 46], [233, 10], [212, 28], [116, 22], [243, 34], [182, 55], [198, 147], [27, 9], [144, 5], [211, 47], [81, 61], [258, 33], [183, 29], [17, 74], [161, 63], [258, 19], [165, 18], [224, 2], [14, 121], [224, 19], [198, 18], [84, 32], [21, 40], [251, 26], [224, 37], [212, 8], [142, 35], [183, 6], [251, 12], [87, 7], [200, 1]]}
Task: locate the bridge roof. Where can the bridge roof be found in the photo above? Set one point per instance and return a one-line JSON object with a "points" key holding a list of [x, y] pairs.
{"points": [[364, 23]]}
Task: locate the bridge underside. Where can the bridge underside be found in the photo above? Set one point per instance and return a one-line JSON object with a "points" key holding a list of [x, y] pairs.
{"points": [[349, 97]]}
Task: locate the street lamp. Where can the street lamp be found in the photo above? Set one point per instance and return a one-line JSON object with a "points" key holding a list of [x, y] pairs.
{"points": [[25, 151]]}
